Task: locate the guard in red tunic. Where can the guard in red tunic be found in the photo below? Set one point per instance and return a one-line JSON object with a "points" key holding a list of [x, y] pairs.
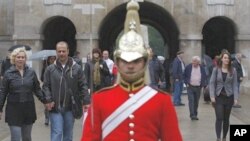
{"points": [[131, 110]]}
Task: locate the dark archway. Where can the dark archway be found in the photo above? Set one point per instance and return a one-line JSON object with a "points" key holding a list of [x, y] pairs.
{"points": [[150, 14], [57, 29], [218, 33]]}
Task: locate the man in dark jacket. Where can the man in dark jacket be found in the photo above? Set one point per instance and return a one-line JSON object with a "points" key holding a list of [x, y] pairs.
{"points": [[5, 65], [238, 67], [77, 58], [156, 70], [178, 69], [166, 66], [61, 80], [195, 79]]}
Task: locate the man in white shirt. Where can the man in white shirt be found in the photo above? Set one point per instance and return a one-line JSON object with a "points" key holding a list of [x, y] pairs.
{"points": [[195, 79], [109, 62]]}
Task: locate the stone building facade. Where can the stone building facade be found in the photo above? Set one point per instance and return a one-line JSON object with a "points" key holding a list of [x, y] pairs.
{"points": [[195, 26]]}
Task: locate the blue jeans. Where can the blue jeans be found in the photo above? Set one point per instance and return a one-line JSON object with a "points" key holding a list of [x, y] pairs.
{"points": [[178, 87], [21, 132], [62, 124], [193, 100]]}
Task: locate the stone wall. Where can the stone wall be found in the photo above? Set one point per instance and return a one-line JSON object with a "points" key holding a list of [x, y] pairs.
{"points": [[22, 21], [190, 15]]}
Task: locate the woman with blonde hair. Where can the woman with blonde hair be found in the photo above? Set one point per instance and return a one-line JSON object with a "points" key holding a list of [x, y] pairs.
{"points": [[223, 90], [19, 84]]}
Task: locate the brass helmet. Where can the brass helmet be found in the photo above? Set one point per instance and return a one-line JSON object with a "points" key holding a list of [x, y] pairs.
{"points": [[131, 44]]}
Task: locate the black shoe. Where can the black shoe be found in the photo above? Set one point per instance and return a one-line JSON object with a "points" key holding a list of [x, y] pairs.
{"points": [[180, 104], [194, 118], [237, 106], [46, 122]]}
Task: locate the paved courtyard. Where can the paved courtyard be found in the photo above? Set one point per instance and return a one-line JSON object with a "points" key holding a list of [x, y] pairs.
{"points": [[201, 130]]}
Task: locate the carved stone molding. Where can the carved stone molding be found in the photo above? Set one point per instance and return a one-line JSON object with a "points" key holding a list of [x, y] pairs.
{"points": [[220, 2], [52, 2]]}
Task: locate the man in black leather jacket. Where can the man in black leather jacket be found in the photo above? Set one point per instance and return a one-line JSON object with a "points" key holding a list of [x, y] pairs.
{"points": [[61, 80]]}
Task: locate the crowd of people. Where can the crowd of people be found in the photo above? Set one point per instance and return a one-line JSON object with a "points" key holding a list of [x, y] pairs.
{"points": [[222, 79], [108, 89]]}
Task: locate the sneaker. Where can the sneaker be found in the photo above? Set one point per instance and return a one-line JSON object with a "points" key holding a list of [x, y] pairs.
{"points": [[237, 106]]}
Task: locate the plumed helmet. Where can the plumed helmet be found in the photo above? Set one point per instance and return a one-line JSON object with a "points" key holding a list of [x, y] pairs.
{"points": [[131, 44]]}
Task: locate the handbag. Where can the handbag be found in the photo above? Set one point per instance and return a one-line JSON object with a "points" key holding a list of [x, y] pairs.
{"points": [[206, 93], [76, 102], [76, 106]]}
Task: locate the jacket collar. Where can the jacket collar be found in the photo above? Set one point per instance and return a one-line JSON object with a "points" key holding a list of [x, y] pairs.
{"points": [[70, 63], [132, 86], [13, 68]]}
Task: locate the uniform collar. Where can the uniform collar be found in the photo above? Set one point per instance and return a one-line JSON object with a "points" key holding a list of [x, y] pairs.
{"points": [[132, 86]]}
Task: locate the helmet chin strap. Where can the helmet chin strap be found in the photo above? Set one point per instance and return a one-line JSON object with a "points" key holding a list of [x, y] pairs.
{"points": [[135, 77]]}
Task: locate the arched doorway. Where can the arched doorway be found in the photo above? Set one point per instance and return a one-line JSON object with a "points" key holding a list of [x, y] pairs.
{"points": [[218, 33], [57, 29], [150, 14]]}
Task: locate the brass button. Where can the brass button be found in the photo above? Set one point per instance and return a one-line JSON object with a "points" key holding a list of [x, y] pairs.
{"points": [[131, 133], [131, 116], [131, 125], [130, 95]]}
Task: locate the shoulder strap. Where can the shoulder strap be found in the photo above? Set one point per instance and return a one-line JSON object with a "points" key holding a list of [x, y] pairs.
{"points": [[216, 74], [127, 108]]}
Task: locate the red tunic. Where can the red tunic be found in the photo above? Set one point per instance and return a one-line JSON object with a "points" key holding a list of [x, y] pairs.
{"points": [[154, 120]]}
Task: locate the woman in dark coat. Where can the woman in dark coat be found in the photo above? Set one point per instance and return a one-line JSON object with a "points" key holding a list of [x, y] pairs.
{"points": [[97, 72], [19, 84], [50, 60]]}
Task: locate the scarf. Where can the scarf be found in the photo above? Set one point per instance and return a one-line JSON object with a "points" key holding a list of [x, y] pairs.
{"points": [[97, 75]]}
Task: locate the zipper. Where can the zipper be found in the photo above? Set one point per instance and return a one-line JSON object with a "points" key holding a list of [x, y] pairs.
{"points": [[60, 90], [22, 80], [65, 94], [21, 76]]}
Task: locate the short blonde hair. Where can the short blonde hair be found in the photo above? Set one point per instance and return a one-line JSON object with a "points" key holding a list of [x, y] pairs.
{"points": [[15, 52]]}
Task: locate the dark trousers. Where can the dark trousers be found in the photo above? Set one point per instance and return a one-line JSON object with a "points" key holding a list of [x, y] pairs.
{"points": [[223, 107], [46, 114], [194, 93]]}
